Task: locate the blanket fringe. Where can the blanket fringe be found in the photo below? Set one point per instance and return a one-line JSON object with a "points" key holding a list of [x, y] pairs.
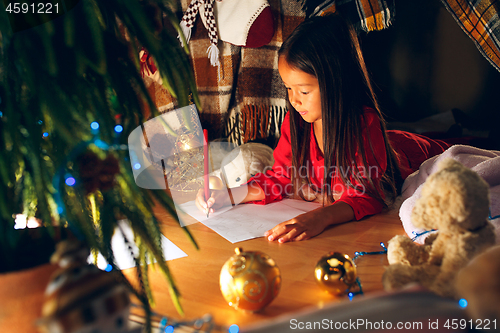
{"points": [[256, 123]]}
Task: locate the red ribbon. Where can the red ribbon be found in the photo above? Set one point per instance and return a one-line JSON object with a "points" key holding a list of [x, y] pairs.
{"points": [[148, 66]]}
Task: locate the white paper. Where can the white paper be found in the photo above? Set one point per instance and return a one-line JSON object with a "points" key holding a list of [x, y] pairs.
{"points": [[247, 221], [123, 257]]}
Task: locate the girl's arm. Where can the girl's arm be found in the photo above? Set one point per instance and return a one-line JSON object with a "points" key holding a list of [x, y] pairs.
{"points": [[227, 197], [310, 224]]}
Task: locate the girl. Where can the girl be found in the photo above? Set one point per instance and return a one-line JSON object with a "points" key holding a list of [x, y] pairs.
{"points": [[334, 145]]}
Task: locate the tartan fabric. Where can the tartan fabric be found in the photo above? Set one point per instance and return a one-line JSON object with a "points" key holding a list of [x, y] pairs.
{"points": [[367, 15], [479, 20], [244, 98], [246, 80]]}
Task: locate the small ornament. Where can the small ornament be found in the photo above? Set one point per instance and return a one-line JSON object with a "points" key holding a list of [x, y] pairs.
{"points": [[250, 280], [335, 273], [97, 174], [215, 183], [81, 298]]}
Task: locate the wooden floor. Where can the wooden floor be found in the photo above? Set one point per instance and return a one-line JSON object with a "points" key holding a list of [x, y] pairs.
{"points": [[197, 275]]}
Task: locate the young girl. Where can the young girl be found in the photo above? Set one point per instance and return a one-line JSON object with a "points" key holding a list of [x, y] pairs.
{"points": [[334, 144]]}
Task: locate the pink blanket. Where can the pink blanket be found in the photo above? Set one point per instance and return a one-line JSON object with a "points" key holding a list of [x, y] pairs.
{"points": [[485, 162]]}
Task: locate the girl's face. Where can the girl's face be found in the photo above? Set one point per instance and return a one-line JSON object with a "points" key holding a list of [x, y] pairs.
{"points": [[303, 91]]}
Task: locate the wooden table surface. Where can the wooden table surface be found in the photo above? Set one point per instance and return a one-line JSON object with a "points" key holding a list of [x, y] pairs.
{"points": [[197, 275]]}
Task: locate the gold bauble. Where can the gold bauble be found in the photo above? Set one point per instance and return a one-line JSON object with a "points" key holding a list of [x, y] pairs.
{"points": [[249, 280], [215, 183], [335, 273]]}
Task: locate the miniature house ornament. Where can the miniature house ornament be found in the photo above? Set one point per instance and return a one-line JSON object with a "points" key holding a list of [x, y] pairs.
{"points": [[250, 280], [80, 298], [335, 273]]}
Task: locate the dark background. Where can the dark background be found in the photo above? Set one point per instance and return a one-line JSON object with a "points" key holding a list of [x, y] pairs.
{"points": [[425, 64]]}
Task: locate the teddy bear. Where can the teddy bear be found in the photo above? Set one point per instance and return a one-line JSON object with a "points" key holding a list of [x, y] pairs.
{"points": [[455, 202], [244, 161], [479, 285]]}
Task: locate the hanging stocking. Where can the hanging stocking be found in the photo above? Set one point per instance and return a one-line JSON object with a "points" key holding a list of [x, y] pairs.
{"points": [[246, 23]]}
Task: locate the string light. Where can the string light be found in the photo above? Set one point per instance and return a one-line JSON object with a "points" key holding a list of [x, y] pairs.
{"points": [[70, 181], [137, 166], [118, 128], [94, 125], [169, 329], [418, 234], [45, 134], [359, 254], [234, 329], [163, 323], [462, 303]]}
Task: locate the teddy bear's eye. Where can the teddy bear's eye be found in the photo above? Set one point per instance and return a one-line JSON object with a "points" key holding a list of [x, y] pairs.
{"points": [[238, 179]]}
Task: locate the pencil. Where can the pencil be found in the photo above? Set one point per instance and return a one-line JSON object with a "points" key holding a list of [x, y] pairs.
{"points": [[205, 167]]}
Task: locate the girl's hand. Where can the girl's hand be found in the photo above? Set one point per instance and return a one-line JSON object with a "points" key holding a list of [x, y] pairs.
{"points": [[217, 200], [310, 224], [299, 228]]}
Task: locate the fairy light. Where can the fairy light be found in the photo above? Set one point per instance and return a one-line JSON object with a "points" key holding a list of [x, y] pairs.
{"points": [[462, 303], [118, 128], [94, 125], [359, 254], [70, 181], [234, 329]]}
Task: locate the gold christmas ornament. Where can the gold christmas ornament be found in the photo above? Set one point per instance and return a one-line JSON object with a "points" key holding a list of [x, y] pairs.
{"points": [[335, 273], [215, 183], [250, 280]]}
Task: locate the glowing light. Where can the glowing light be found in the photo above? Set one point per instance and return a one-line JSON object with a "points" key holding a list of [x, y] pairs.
{"points": [[137, 166], [45, 134], [169, 329], [118, 128], [94, 125], [108, 268], [23, 222], [234, 328], [70, 181], [462, 303]]}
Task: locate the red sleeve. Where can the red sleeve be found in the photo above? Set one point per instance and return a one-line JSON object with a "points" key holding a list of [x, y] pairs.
{"points": [[359, 200], [276, 183]]}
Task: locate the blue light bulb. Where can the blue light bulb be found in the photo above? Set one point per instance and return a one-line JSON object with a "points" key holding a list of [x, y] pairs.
{"points": [[462, 303], [70, 181], [94, 125], [234, 328], [118, 128]]}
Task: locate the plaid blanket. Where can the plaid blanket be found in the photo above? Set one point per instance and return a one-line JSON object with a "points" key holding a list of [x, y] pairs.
{"points": [[479, 19], [244, 98]]}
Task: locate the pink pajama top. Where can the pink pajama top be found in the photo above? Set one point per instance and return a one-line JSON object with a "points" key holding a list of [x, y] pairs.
{"points": [[413, 149]]}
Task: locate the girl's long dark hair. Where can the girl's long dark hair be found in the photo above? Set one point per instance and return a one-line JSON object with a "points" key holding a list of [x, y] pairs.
{"points": [[328, 48]]}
